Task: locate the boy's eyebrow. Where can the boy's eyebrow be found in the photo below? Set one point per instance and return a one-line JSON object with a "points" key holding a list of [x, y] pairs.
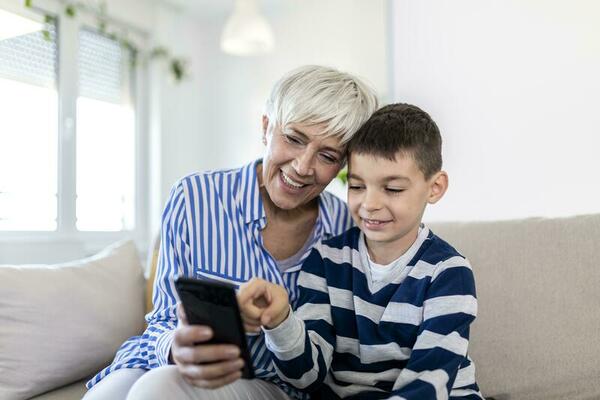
{"points": [[386, 179], [396, 178]]}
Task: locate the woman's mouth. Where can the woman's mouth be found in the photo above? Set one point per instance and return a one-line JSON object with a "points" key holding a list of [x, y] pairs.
{"points": [[289, 182]]}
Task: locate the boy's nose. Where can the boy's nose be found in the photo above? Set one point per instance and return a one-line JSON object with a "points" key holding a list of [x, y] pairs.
{"points": [[371, 201]]}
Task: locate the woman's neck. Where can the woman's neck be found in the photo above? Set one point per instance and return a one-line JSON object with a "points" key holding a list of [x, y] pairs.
{"points": [[301, 213]]}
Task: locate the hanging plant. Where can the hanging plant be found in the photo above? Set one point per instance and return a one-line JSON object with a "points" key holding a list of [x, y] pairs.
{"points": [[177, 67]]}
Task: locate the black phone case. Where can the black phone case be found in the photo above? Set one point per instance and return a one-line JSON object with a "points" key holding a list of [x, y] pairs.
{"points": [[215, 304]]}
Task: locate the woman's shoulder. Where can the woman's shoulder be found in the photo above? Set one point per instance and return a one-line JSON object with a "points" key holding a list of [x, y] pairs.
{"points": [[334, 213], [332, 204], [213, 178]]}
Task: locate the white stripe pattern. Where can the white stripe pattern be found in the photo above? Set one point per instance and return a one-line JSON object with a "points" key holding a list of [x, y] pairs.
{"points": [[403, 313], [445, 305], [452, 342], [372, 353]]}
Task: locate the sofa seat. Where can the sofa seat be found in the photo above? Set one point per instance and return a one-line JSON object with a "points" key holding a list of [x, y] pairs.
{"points": [[73, 391]]}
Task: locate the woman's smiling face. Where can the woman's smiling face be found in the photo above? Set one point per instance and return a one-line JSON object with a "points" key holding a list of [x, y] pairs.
{"points": [[299, 162]]}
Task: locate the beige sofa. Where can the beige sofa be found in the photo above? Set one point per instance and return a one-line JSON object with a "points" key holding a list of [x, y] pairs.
{"points": [[537, 336]]}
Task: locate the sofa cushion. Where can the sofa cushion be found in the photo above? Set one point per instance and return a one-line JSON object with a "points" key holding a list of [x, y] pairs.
{"points": [[538, 286], [61, 323], [74, 391]]}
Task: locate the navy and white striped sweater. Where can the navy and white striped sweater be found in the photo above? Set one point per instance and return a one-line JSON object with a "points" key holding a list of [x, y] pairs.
{"points": [[406, 340]]}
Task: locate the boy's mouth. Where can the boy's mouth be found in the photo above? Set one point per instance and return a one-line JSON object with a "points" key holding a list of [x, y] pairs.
{"points": [[374, 224]]}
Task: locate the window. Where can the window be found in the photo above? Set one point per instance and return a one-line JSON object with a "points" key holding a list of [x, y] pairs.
{"points": [[69, 143], [105, 136], [28, 128]]}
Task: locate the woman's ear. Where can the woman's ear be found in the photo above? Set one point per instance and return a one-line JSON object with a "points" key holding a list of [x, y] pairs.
{"points": [[438, 184], [265, 128]]}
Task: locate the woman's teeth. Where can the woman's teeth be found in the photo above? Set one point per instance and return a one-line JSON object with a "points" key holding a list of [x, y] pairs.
{"points": [[290, 182]]}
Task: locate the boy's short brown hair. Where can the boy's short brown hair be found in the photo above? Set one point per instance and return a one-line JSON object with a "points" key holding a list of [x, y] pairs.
{"points": [[401, 128]]}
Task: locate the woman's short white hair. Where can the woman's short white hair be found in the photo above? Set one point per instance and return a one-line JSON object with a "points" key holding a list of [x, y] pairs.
{"points": [[313, 95]]}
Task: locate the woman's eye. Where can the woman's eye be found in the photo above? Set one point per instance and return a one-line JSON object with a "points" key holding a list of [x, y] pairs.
{"points": [[329, 158], [354, 187], [292, 139]]}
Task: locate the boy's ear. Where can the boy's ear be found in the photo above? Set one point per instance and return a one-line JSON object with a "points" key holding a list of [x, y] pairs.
{"points": [[438, 184]]}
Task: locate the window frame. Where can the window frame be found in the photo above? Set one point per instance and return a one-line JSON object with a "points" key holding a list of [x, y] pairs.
{"points": [[67, 88]]}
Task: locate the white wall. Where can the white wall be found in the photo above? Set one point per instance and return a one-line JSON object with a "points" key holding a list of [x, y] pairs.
{"points": [[514, 86], [220, 125], [212, 119]]}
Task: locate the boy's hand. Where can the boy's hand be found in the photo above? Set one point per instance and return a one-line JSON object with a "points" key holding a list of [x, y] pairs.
{"points": [[262, 303]]}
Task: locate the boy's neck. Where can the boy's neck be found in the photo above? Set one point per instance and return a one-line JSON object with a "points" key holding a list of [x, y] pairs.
{"points": [[386, 252]]}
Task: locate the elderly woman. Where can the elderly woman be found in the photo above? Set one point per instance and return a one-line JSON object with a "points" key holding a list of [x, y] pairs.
{"points": [[260, 220]]}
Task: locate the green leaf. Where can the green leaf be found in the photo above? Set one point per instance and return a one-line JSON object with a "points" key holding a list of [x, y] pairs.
{"points": [[177, 69], [28, 3], [70, 10], [49, 19], [46, 35], [158, 52], [343, 175]]}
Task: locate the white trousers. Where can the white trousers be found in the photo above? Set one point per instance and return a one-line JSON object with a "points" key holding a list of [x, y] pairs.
{"points": [[166, 383]]}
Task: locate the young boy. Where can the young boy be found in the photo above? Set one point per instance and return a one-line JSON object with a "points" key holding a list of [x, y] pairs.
{"points": [[384, 309]]}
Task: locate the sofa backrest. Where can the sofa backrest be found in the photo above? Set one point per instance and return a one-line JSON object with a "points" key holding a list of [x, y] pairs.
{"points": [[537, 335]]}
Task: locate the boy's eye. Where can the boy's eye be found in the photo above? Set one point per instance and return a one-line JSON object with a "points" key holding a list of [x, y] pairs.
{"points": [[394, 190], [354, 187]]}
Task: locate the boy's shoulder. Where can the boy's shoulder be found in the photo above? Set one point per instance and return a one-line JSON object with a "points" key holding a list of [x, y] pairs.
{"points": [[438, 252], [348, 238]]}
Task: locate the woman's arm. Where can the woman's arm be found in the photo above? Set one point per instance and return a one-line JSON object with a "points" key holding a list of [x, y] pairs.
{"points": [[169, 339], [174, 260]]}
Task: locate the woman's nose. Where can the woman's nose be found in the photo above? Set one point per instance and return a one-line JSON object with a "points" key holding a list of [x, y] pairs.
{"points": [[303, 163]]}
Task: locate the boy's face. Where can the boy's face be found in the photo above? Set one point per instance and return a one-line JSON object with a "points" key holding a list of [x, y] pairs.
{"points": [[387, 200]]}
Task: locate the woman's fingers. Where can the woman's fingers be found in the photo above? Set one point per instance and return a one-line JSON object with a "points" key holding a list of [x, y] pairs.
{"points": [[181, 314], [214, 383]]}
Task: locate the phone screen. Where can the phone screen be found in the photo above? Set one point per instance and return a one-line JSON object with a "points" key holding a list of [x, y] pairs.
{"points": [[215, 304]]}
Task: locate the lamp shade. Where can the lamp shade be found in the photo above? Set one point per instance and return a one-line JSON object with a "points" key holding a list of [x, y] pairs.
{"points": [[246, 32]]}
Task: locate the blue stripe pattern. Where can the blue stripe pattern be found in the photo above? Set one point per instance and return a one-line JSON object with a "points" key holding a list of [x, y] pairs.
{"points": [[407, 340], [211, 228]]}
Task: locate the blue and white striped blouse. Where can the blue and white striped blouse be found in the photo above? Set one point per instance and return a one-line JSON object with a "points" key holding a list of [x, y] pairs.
{"points": [[407, 339], [211, 227]]}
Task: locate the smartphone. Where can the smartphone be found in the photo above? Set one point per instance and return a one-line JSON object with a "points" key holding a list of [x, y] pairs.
{"points": [[214, 304]]}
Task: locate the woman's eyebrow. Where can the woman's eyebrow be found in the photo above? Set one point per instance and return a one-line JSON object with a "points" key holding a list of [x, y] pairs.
{"points": [[305, 137]]}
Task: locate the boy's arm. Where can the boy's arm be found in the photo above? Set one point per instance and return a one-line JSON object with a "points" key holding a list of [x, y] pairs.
{"points": [[303, 343], [449, 308]]}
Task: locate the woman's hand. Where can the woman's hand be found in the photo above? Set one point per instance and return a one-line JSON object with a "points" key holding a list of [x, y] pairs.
{"points": [[203, 365], [262, 303]]}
